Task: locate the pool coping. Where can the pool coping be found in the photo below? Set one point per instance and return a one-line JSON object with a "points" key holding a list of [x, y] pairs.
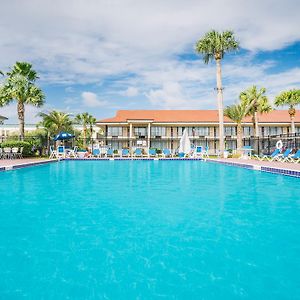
{"points": [[267, 169], [248, 165]]}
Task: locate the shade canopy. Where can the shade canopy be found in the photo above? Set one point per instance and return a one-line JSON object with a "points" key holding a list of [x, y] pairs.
{"points": [[63, 136], [185, 143]]}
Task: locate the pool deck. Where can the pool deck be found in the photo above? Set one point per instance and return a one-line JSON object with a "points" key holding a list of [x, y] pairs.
{"points": [[11, 164], [289, 169], [283, 168]]}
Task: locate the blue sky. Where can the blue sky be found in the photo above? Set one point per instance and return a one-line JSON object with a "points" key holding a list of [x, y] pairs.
{"points": [[101, 56]]}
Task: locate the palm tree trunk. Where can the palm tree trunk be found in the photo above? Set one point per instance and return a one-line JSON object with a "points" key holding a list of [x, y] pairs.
{"points": [[84, 136], [21, 112], [220, 106], [255, 132], [292, 117], [239, 140]]}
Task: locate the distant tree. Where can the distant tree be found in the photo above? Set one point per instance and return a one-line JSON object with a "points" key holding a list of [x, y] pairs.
{"points": [[290, 98], [237, 113], [213, 46], [19, 85], [257, 102], [86, 120]]}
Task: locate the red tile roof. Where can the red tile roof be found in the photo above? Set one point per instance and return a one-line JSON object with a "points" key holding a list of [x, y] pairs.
{"points": [[190, 116]]}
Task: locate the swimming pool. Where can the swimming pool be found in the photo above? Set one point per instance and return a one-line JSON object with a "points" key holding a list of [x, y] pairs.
{"points": [[148, 230]]}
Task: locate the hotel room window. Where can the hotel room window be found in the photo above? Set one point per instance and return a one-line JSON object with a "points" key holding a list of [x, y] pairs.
{"points": [[114, 131], [158, 131], [140, 131], [230, 131]]}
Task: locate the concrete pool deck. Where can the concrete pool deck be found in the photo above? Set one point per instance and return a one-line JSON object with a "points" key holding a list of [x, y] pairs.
{"points": [[289, 169], [10, 164]]}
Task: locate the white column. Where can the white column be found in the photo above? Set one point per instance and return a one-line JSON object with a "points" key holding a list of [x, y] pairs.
{"points": [[149, 134], [130, 138]]}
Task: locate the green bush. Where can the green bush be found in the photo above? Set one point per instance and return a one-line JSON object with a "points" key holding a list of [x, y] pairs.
{"points": [[27, 147]]}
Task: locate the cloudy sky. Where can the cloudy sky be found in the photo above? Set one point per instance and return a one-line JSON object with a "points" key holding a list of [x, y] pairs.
{"points": [[100, 56]]}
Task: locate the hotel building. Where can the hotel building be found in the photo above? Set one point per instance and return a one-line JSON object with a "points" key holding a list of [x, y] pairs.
{"points": [[163, 128]]}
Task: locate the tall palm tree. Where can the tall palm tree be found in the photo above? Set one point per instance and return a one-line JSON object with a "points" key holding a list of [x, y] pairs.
{"points": [[236, 113], [290, 98], [85, 119], [20, 85], [213, 46], [257, 102]]}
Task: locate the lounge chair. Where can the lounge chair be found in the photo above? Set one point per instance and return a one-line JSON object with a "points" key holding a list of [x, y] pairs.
{"points": [[7, 153], [166, 153], [152, 153], [205, 152], [198, 152], [73, 152], [53, 153], [20, 153], [110, 153], [61, 152], [125, 153], [284, 155], [138, 152], [294, 158], [271, 157], [96, 153], [181, 155]]}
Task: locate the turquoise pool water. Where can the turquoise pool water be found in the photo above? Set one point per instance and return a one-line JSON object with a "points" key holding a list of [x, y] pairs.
{"points": [[148, 230]]}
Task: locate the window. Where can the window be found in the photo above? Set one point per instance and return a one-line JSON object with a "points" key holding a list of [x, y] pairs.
{"points": [[230, 131], [140, 131], [158, 144], [247, 131], [271, 130], [194, 131], [114, 131], [158, 131]]}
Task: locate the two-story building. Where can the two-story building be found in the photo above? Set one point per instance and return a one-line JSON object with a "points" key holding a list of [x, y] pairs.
{"points": [[163, 128]]}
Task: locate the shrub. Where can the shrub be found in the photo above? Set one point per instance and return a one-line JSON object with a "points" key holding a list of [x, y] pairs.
{"points": [[27, 147]]}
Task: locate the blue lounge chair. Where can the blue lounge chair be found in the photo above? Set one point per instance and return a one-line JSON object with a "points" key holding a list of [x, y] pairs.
{"points": [[271, 157], [61, 152], [110, 153], [166, 153], [152, 153], [96, 153], [138, 152], [181, 155], [125, 153], [295, 158], [198, 152], [284, 155]]}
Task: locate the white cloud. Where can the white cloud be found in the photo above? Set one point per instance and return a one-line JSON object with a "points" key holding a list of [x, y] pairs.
{"points": [[130, 92], [91, 100]]}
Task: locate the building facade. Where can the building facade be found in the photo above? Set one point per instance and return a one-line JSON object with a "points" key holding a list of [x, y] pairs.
{"points": [[164, 128]]}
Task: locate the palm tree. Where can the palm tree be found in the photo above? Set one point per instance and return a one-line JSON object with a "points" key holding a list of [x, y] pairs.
{"points": [[20, 86], [85, 119], [236, 113], [290, 98], [91, 122], [213, 46], [257, 102], [56, 121]]}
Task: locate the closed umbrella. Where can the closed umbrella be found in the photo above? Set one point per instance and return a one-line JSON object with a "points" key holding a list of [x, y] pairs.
{"points": [[185, 143]]}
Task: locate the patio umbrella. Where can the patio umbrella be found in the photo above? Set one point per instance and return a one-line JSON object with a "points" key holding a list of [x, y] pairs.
{"points": [[185, 143], [63, 136]]}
